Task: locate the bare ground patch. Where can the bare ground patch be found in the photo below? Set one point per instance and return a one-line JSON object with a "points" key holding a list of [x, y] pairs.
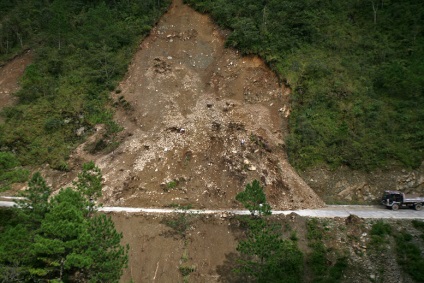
{"points": [[202, 121]]}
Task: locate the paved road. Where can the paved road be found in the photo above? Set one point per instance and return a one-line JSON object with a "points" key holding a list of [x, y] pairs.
{"points": [[330, 211]]}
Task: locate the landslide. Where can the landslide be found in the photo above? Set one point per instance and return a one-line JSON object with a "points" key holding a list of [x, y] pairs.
{"points": [[199, 122], [9, 76]]}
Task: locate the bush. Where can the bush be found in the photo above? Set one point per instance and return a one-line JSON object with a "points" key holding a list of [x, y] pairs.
{"points": [[10, 171], [409, 256]]}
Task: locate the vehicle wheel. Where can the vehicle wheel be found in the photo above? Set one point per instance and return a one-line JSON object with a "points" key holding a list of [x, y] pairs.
{"points": [[395, 207], [418, 206]]}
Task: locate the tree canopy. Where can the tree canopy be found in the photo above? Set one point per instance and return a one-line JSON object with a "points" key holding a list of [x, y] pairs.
{"points": [[253, 198], [265, 256], [61, 238]]}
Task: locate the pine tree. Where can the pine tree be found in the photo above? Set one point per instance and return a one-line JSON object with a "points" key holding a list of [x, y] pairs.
{"points": [[253, 198], [61, 238]]}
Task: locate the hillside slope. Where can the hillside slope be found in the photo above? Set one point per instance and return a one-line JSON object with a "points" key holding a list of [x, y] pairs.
{"points": [[200, 121]]}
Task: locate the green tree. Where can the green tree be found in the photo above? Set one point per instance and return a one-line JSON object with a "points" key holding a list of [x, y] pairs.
{"points": [[104, 248], [61, 238], [59, 243], [267, 257], [89, 184], [35, 203], [15, 253], [253, 198]]}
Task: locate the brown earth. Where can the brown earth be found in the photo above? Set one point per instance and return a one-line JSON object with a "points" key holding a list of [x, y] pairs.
{"points": [[207, 245], [200, 122], [9, 77], [188, 103]]}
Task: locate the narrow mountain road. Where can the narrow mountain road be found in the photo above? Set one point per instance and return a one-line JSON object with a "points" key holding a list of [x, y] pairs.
{"points": [[329, 211]]}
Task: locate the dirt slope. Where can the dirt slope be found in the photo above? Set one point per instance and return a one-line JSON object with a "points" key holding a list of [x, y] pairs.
{"points": [[202, 122], [9, 77]]}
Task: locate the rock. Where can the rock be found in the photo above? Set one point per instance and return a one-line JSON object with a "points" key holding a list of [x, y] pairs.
{"points": [[80, 131], [246, 161], [216, 126], [352, 220], [209, 105], [252, 168]]}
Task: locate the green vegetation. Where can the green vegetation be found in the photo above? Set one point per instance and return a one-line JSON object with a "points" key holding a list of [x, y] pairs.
{"points": [[419, 225], [355, 69], [268, 255], [171, 185], [409, 256], [408, 253], [81, 51], [265, 256], [60, 238], [379, 234], [179, 224], [317, 260], [253, 198], [10, 171]]}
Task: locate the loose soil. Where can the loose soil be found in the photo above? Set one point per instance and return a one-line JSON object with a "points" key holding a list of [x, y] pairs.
{"points": [[9, 78], [200, 121], [207, 245]]}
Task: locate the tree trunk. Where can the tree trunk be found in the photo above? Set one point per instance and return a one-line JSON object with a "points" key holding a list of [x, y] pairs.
{"points": [[375, 9]]}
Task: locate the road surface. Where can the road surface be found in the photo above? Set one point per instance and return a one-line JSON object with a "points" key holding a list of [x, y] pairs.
{"points": [[329, 211]]}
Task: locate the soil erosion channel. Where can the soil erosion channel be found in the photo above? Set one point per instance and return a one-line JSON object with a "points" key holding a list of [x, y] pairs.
{"points": [[203, 121]]}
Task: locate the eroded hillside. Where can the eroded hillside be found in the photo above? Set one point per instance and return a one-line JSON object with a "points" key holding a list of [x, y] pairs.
{"points": [[200, 122]]}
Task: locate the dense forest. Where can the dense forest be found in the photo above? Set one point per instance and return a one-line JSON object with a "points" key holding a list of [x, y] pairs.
{"points": [[82, 50], [356, 72]]}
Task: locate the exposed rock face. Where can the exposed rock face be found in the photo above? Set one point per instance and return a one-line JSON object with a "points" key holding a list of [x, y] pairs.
{"points": [[345, 185]]}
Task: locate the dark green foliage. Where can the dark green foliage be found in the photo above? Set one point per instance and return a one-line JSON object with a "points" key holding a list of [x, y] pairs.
{"points": [[381, 229], [314, 232], [253, 198], [318, 260], [180, 223], [357, 82], [35, 205], [418, 225], [10, 171], [379, 234], [409, 256], [82, 49], [89, 184], [104, 245], [59, 238], [267, 257]]}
